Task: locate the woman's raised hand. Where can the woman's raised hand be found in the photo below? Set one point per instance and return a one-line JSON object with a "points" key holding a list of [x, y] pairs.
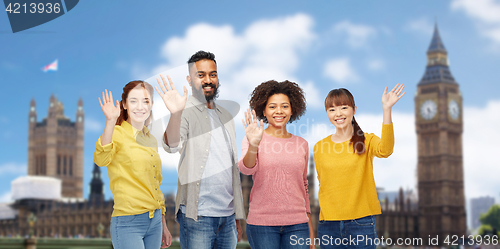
{"points": [[390, 98], [252, 130], [111, 112], [174, 102]]}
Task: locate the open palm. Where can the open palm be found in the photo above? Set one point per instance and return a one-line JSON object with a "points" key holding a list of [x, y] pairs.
{"points": [[390, 98], [252, 130], [172, 99], [111, 112]]}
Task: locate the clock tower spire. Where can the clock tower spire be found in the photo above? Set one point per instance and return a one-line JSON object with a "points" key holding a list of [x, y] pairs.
{"points": [[439, 127]]}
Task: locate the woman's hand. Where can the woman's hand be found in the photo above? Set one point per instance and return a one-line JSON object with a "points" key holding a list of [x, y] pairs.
{"points": [[111, 112], [390, 98], [166, 237], [252, 130], [174, 102]]}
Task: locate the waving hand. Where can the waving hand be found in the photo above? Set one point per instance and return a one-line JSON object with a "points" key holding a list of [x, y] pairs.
{"points": [[390, 98], [173, 100], [111, 112], [252, 130]]}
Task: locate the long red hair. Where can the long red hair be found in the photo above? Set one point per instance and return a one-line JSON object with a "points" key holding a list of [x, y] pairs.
{"points": [[126, 90]]}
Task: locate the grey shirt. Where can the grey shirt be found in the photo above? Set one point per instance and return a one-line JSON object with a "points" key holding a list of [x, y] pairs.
{"points": [[194, 146]]}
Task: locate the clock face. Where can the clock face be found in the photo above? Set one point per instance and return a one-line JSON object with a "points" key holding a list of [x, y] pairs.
{"points": [[428, 109], [453, 109]]}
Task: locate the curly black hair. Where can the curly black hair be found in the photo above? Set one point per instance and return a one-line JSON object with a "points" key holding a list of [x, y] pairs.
{"points": [[260, 95]]}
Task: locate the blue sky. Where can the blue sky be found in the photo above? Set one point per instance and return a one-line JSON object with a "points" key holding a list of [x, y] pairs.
{"points": [[360, 45]]}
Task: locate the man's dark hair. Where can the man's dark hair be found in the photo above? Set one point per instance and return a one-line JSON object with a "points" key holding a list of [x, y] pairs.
{"points": [[201, 55]]}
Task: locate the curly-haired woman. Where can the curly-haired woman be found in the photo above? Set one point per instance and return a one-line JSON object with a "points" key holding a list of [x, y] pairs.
{"points": [[279, 214]]}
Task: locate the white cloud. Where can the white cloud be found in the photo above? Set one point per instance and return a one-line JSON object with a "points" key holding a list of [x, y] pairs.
{"points": [[486, 13], [92, 125], [421, 25], [484, 10], [13, 168], [169, 161], [358, 35], [340, 71], [5, 197], [266, 49], [399, 170], [312, 95], [481, 169]]}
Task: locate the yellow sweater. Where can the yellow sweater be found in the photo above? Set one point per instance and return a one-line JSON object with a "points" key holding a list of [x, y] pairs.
{"points": [[346, 184]]}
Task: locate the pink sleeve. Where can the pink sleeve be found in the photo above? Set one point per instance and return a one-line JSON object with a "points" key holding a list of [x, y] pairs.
{"points": [[244, 169], [306, 182]]}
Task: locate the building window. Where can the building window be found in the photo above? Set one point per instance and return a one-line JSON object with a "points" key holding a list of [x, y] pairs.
{"points": [[64, 165], [37, 162], [44, 165], [427, 146], [71, 165], [58, 164]]}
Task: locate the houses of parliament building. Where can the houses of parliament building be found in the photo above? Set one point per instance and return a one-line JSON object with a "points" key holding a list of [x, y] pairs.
{"points": [[55, 151]]}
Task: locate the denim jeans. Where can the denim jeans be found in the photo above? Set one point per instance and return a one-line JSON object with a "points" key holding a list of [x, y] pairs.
{"points": [[276, 237], [358, 233], [207, 232], [136, 231]]}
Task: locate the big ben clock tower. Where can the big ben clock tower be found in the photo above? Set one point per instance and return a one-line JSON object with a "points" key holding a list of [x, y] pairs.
{"points": [[439, 126]]}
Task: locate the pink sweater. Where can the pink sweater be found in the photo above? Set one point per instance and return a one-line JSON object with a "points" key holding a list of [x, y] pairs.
{"points": [[279, 195]]}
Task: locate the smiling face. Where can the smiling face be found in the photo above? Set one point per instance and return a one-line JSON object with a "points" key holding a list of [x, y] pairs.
{"points": [[340, 107], [138, 106], [341, 116], [204, 80], [278, 110]]}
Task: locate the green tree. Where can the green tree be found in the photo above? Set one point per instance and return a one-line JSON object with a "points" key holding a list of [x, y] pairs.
{"points": [[492, 217], [484, 230]]}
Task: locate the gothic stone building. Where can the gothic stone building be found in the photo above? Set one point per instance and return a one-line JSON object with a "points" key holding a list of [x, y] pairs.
{"points": [[440, 210]]}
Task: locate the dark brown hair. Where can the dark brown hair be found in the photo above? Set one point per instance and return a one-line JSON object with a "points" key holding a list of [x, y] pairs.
{"points": [[260, 95], [126, 90], [342, 96]]}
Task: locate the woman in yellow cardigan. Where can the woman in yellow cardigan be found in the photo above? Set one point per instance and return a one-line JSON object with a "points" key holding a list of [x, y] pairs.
{"points": [[130, 153], [344, 163]]}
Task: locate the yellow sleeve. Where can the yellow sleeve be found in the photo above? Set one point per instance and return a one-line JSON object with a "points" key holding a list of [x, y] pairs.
{"points": [[384, 146], [103, 155]]}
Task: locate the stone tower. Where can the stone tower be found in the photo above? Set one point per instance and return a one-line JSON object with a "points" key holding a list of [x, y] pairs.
{"points": [[439, 127], [55, 147], [96, 195]]}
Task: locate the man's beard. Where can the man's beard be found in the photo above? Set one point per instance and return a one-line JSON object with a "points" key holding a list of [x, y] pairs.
{"points": [[200, 95]]}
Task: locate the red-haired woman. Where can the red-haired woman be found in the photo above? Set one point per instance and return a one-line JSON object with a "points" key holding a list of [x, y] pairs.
{"points": [[344, 163], [130, 152]]}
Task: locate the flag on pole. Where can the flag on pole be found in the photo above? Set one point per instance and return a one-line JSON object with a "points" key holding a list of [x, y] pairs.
{"points": [[51, 67]]}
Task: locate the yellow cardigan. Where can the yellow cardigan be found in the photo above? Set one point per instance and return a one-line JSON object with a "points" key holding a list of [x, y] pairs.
{"points": [[346, 184]]}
